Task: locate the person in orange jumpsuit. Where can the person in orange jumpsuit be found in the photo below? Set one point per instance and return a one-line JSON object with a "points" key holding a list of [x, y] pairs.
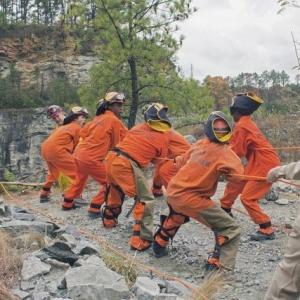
{"points": [[141, 145], [190, 191], [57, 149], [166, 169], [249, 142], [55, 113], [100, 136]]}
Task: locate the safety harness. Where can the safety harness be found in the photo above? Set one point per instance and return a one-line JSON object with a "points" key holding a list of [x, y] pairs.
{"points": [[168, 233]]}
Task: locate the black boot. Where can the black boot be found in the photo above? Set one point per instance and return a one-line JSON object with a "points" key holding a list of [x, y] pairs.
{"points": [[44, 198], [94, 215], [260, 236], [158, 250]]}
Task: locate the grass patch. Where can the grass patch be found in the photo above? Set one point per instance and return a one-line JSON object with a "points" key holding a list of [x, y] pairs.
{"points": [[5, 293], [12, 250], [209, 287], [9, 176], [30, 241], [10, 261], [121, 266]]}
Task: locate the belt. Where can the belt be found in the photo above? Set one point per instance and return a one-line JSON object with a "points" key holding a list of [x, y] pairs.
{"points": [[123, 153]]}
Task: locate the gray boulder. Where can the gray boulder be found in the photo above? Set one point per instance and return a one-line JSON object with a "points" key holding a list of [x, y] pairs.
{"points": [[61, 252], [18, 227], [21, 294], [174, 287], [95, 283], [33, 267], [145, 288], [86, 248]]}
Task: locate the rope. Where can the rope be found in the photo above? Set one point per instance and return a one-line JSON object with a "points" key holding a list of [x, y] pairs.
{"points": [[261, 178], [292, 148], [104, 243], [21, 183]]}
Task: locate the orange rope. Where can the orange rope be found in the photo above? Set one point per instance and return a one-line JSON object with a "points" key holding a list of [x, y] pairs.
{"points": [[260, 178], [292, 148]]}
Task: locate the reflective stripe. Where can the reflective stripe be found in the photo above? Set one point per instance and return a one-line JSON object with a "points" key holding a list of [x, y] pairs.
{"points": [[136, 233], [265, 225], [93, 205], [68, 200]]}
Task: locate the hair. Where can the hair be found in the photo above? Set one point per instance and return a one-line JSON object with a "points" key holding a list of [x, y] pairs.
{"points": [[69, 119]]}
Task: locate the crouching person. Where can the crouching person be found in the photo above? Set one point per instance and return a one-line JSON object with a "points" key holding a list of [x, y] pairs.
{"points": [[58, 148], [125, 163], [285, 284], [190, 190]]}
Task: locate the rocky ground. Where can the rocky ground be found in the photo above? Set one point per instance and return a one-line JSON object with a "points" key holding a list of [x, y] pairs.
{"points": [[256, 261]]}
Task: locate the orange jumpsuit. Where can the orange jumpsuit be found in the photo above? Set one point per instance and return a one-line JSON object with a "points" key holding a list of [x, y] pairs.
{"points": [[98, 137], [140, 146], [189, 193], [166, 169], [246, 141], [57, 151]]}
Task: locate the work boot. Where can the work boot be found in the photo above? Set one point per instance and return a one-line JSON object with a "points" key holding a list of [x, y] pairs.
{"points": [[68, 204], [44, 198], [261, 236], [45, 195], [94, 215], [212, 264], [137, 243], [74, 206], [157, 191], [228, 210], [158, 250]]}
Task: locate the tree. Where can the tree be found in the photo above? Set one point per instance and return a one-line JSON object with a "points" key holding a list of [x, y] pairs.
{"points": [[220, 91], [137, 47]]}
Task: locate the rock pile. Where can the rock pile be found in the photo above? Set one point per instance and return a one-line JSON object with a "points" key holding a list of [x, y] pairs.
{"points": [[69, 266]]}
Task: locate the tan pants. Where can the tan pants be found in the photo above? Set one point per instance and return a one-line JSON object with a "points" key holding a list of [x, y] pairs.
{"points": [[125, 177], [285, 284], [206, 212]]}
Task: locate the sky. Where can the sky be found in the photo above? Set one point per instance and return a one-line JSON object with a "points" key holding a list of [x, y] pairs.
{"points": [[227, 37]]}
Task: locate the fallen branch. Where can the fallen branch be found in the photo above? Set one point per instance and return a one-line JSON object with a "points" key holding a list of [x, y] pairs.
{"points": [[21, 183]]}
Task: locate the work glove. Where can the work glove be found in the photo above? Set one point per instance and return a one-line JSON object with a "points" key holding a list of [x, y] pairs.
{"points": [[274, 174], [178, 161]]}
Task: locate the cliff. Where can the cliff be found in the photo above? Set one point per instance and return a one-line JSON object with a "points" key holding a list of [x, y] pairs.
{"points": [[21, 134], [43, 55]]}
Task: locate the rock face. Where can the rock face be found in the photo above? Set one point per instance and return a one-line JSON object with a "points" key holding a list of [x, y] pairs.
{"points": [[21, 134], [50, 55], [40, 57]]}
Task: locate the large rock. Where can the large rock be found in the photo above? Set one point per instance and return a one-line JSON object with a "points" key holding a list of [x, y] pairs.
{"points": [[34, 267], [86, 248], [145, 288], [95, 283], [21, 294], [174, 287], [17, 227], [41, 296], [61, 252], [92, 260], [69, 229], [23, 216], [69, 239]]}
